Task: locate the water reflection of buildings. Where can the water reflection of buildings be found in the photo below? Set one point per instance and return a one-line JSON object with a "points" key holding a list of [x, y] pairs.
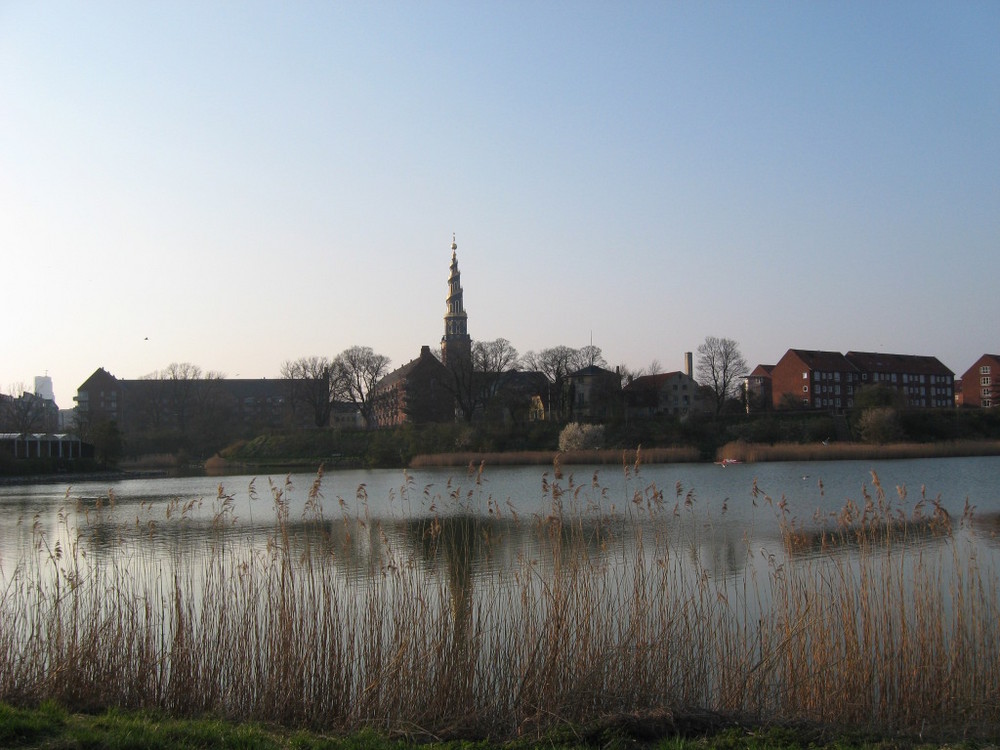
{"points": [[456, 547]]}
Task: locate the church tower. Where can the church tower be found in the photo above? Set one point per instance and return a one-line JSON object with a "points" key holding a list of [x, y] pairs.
{"points": [[456, 343]]}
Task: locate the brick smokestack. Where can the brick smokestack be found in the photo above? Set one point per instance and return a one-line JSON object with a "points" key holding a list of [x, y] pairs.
{"points": [[689, 364]]}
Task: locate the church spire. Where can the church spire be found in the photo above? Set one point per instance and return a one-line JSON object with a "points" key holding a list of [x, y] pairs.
{"points": [[455, 343]]}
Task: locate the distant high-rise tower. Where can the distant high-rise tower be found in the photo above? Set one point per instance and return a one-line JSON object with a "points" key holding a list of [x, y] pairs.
{"points": [[456, 343], [43, 387]]}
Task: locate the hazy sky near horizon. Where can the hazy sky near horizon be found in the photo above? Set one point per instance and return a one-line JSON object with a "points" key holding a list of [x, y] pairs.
{"points": [[236, 184]]}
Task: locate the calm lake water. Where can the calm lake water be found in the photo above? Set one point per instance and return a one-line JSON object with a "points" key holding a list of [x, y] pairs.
{"points": [[691, 575], [725, 516]]}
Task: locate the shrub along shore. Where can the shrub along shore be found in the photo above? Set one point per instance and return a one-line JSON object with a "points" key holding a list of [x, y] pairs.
{"points": [[765, 436], [735, 451], [771, 436]]}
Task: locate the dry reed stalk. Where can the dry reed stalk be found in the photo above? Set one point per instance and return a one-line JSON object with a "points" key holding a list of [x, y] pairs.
{"points": [[756, 452], [605, 457]]}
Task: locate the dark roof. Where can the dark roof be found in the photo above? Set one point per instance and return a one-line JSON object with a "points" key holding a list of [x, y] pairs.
{"points": [[239, 388], [257, 387], [590, 371], [823, 360], [653, 381], [404, 371], [524, 379], [100, 375], [912, 364]]}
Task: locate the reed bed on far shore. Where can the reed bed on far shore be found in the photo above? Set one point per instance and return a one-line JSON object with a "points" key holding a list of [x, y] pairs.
{"points": [[439, 627], [834, 451], [601, 457]]}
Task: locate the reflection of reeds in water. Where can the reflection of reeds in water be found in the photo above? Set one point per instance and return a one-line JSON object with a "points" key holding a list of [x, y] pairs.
{"points": [[988, 527], [443, 626], [873, 524]]}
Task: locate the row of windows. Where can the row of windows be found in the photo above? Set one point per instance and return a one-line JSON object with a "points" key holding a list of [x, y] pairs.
{"points": [[827, 389], [918, 390], [819, 375], [915, 401], [934, 402], [883, 377], [828, 402]]}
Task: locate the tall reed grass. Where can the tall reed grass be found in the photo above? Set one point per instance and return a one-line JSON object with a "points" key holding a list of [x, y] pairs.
{"points": [[475, 621], [595, 457], [754, 452]]}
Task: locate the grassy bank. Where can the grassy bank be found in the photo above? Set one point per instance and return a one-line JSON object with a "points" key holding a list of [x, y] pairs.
{"points": [[432, 628], [50, 726], [834, 451]]}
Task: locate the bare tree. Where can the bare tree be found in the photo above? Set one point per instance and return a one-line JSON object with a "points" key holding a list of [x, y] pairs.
{"points": [[491, 359], [179, 407], [355, 371], [182, 389], [629, 375], [475, 379], [556, 363], [588, 356], [309, 385], [720, 368], [22, 411], [497, 356]]}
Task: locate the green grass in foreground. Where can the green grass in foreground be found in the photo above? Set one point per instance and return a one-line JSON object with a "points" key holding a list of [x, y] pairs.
{"points": [[51, 727]]}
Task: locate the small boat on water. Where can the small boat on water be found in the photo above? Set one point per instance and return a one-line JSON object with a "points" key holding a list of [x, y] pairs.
{"points": [[728, 462]]}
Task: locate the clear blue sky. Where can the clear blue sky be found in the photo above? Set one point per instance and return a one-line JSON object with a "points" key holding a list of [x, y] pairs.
{"points": [[244, 183]]}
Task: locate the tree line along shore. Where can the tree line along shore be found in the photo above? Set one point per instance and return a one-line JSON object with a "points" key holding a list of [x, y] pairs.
{"points": [[878, 432], [741, 437]]}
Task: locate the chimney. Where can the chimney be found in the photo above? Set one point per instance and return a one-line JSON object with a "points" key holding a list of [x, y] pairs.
{"points": [[689, 364]]}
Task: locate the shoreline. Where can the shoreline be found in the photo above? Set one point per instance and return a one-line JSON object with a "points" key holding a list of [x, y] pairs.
{"points": [[81, 476], [735, 452], [764, 452], [740, 452]]}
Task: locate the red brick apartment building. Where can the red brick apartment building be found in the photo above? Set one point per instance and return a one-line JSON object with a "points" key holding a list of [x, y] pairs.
{"points": [[981, 383], [923, 381], [811, 379], [757, 388], [806, 378]]}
